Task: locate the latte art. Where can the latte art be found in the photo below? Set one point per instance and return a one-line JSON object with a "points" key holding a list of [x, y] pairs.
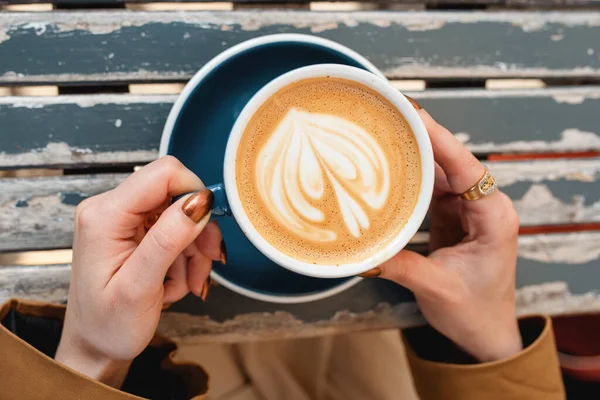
{"points": [[306, 152], [328, 171]]}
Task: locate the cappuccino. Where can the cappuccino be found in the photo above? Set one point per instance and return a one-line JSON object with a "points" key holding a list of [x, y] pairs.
{"points": [[328, 171]]}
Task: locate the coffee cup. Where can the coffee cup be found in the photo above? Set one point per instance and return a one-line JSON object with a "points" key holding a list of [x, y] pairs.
{"points": [[229, 198]]}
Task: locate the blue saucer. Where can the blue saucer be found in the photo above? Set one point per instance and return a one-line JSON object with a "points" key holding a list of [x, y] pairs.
{"points": [[197, 134]]}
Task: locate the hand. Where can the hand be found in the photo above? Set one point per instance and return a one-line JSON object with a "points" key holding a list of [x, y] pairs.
{"points": [[126, 242], [466, 287]]}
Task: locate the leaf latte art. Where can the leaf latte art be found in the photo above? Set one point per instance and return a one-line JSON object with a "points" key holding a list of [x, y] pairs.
{"points": [[308, 151]]}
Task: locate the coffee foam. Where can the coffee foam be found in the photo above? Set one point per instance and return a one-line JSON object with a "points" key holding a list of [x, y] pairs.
{"points": [[328, 171]]}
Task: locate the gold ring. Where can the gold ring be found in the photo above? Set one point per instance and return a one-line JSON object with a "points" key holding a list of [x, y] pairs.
{"points": [[484, 187]]}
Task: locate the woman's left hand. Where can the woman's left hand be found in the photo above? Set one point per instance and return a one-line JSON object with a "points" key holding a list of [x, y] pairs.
{"points": [[126, 242]]}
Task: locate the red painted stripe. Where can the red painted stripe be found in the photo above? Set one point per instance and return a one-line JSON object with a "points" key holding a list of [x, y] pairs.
{"points": [[537, 156], [532, 230]]}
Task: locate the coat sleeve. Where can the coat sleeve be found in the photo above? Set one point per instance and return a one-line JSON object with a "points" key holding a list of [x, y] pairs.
{"points": [[29, 335], [442, 371]]}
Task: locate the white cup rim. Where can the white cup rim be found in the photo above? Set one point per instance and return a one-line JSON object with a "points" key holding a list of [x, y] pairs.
{"points": [[427, 170]]}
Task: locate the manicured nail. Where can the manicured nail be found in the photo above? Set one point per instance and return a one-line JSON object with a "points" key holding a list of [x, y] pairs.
{"points": [[150, 220], [198, 205], [204, 293], [166, 306], [372, 273], [223, 253], [414, 103]]}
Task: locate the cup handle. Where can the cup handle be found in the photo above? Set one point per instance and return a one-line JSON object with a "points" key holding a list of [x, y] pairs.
{"points": [[220, 206]]}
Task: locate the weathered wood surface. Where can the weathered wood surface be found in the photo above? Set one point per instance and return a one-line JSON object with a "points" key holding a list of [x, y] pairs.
{"points": [[37, 213], [141, 46], [557, 274], [63, 131], [432, 2]]}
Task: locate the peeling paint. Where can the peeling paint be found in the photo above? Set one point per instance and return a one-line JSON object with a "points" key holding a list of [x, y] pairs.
{"points": [[85, 101], [60, 153], [589, 92], [38, 27], [324, 27], [108, 22], [571, 140], [420, 68], [569, 248], [554, 298], [539, 206], [509, 173], [3, 36], [51, 283], [569, 99]]}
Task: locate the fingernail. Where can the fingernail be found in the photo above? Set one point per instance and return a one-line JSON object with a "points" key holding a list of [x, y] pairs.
{"points": [[414, 103], [223, 253], [372, 273], [198, 205], [166, 306], [205, 288], [150, 220]]}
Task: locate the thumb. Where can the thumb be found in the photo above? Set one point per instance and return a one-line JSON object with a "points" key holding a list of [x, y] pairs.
{"points": [[413, 271], [176, 228]]}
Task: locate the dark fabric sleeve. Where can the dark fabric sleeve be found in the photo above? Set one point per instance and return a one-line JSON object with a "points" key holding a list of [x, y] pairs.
{"points": [[443, 371], [29, 336]]}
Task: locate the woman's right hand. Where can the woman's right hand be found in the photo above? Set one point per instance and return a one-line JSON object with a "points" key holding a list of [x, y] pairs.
{"points": [[465, 288], [133, 254]]}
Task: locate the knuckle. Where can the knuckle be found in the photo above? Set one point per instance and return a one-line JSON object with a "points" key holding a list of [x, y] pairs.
{"points": [[509, 215], [162, 240], [170, 163], [400, 275], [85, 212]]}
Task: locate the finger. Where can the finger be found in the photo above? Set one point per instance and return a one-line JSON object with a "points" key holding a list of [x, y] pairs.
{"points": [[211, 244], [176, 228], [461, 167], [413, 271], [199, 267], [446, 227], [487, 218], [152, 216], [148, 188], [176, 287], [441, 185]]}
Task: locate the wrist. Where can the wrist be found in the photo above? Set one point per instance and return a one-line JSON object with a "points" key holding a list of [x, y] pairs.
{"points": [[91, 364], [497, 344]]}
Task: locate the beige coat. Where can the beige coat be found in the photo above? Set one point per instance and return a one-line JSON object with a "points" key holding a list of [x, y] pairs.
{"points": [[30, 332]]}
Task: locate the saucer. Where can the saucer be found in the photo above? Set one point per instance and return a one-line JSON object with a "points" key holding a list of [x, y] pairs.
{"points": [[196, 133]]}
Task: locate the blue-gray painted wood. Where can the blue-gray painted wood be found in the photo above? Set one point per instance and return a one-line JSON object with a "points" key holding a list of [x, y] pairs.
{"points": [[530, 3], [67, 131], [556, 274], [142, 46], [37, 213]]}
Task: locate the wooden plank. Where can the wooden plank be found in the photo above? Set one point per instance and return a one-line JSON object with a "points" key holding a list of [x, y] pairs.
{"points": [[141, 46], [555, 3], [81, 130], [64, 131], [372, 304], [37, 213]]}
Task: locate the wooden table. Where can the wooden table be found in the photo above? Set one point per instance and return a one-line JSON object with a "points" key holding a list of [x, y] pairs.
{"points": [[540, 139]]}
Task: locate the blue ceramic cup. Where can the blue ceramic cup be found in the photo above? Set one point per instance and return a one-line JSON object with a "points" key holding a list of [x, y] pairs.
{"points": [[211, 111]]}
